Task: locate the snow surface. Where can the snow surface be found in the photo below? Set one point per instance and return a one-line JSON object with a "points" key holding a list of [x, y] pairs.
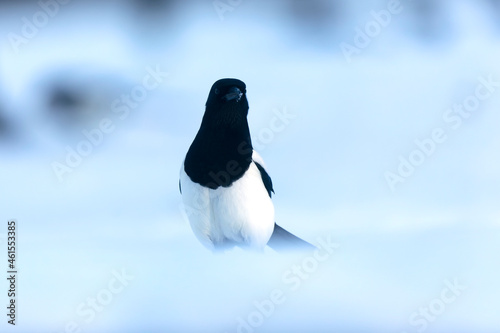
{"points": [[121, 209]]}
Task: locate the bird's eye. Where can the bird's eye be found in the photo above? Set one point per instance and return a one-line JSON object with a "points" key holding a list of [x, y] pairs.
{"points": [[216, 91]]}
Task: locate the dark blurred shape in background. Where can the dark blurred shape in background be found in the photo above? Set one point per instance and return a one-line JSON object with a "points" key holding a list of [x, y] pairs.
{"points": [[9, 131], [4, 126], [496, 11], [430, 19], [152, 17], [317, 20], [78, 97], [154, 12]]}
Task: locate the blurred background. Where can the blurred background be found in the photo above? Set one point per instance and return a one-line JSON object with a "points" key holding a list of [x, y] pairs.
{"points": [[99, 102]]}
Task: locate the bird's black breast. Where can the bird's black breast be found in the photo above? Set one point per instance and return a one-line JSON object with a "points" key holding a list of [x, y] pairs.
{"points": [[218, 158]]}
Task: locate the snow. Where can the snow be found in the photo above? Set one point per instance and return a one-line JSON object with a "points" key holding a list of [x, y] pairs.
{"points": [[120, 208]]}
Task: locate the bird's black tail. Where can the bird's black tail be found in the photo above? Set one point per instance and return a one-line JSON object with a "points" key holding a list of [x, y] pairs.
{"points": [[284, 240]]}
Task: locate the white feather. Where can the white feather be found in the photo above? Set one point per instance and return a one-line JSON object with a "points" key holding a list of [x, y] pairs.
{"points": [[241, 213]]}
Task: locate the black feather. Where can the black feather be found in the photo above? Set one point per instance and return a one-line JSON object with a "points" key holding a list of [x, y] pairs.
{"points": [[266, 179], [221, 152]]}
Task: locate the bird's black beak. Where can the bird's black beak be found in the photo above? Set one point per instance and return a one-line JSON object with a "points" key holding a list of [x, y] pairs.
{"points": [[233, 93]]}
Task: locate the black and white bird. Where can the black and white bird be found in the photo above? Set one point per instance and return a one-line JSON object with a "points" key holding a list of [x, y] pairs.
{"points": [[225, 188]]}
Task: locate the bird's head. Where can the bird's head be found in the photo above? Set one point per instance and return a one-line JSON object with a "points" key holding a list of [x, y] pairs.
{"points": [[227, 100]]}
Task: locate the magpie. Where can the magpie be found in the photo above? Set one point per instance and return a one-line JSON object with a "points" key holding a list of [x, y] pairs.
{"points": [[225, 187]]}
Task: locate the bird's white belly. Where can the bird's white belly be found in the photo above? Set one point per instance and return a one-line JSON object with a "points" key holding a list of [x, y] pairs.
{"points": [[241, 213]]}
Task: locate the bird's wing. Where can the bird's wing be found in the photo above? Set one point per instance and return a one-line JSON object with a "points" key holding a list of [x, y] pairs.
{"points": [[266, 179], [281, 239]]}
